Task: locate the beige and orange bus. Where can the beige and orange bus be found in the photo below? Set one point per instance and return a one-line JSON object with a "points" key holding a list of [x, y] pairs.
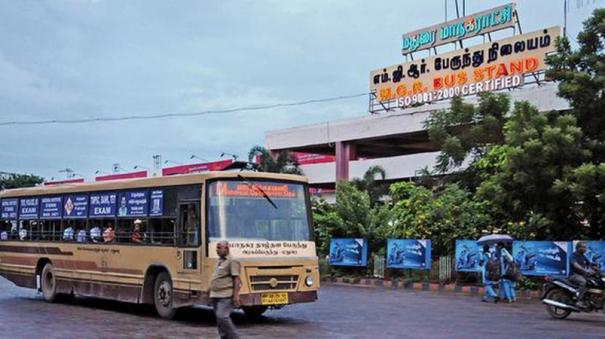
{"points": [[153, 240]]}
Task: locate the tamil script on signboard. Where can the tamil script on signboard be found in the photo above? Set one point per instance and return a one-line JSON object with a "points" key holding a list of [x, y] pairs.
{"points": [[516, 55], [267, 249], [462, 28]]}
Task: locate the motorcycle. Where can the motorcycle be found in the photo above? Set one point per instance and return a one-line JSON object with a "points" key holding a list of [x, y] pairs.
{"points": [[560, 296]]}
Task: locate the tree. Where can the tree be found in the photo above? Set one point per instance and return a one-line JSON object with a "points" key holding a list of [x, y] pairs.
{"points": [[581, 77], [466, 130], [441, 216], [284, 162], [541, 149], [351, 217], [14, 180], [376, 189]]}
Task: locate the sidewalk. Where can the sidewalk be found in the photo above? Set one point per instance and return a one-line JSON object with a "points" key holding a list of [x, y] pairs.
{"points": [[424, 286]]}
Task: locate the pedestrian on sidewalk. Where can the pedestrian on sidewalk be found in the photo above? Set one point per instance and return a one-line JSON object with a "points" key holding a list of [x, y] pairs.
{"points": [[507, 286], [488, 284], [224, 291]]}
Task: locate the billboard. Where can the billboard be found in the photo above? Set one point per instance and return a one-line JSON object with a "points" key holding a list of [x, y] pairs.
{"points": [[119, 176], [595, 252], [468, 256], [541, 258], [409, 253], [348, 252], [484, 67], [196, 168], [461, 28]]}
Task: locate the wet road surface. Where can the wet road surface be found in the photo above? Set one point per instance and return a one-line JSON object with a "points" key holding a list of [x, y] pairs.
{"points": [[341, 312]]}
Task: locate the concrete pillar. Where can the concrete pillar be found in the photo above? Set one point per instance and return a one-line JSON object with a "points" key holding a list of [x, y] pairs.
{"points": [[345, 152]]}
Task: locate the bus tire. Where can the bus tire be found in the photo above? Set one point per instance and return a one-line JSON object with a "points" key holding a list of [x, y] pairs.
{"points": [[254, 312], [49, 283], [163, 296]]}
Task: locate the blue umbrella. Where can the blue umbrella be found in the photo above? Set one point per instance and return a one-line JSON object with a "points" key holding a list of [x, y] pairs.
{"points": [[494, 238]]}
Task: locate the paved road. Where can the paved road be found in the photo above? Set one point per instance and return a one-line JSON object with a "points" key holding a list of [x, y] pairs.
{"points": [[341, 312]]}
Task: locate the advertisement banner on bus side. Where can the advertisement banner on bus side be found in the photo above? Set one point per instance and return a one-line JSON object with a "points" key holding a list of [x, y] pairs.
{"points": [[541, 258], [51, 207], [132, 204], [348, 252], [409, 253], [156, 206], [8, 209], [102, 205], [266, 249], [75, 206], [29, 208]]}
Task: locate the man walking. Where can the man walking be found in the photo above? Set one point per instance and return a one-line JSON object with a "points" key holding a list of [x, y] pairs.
{"points": [[224, 290]]}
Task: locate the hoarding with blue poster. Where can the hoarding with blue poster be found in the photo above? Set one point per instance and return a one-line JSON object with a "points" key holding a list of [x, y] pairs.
{"points": [[595, 252], [541, 258], [348, 252], [409, 253], [468, 256]]}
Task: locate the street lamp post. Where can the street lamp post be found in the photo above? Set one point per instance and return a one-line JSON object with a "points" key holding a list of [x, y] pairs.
{"points": [[193, 156]]}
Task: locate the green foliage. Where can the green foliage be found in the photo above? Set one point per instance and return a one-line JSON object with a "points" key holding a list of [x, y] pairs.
{"points": [[375, 189], [14, 180], [283, 162], [351, 217], [444, 216], [581, 77], [466, 130], [540, 150]]}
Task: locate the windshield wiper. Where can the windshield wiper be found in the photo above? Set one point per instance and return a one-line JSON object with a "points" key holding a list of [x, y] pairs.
{"points": [[247, 182]]}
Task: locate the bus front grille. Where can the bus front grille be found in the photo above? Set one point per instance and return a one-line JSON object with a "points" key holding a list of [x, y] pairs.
{"points": [[273, 282]]}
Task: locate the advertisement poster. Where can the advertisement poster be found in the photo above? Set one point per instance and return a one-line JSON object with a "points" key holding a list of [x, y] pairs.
{"points": [[595, 252], [75, 206], [468, 256], [542, 258], [51, 208], [29, 208], [409, 253], [348, 252], [156, 207], [132, 204], [102, 205], [8, 209]]}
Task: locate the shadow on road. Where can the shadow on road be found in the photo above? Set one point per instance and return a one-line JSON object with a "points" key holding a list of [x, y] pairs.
{"points": [[194, 315]]}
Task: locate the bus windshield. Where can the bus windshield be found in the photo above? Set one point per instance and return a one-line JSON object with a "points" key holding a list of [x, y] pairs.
{"points": [[257, 210]]}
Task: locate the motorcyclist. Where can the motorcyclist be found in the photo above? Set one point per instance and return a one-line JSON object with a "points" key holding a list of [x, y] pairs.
{"points": [[581, 269]]}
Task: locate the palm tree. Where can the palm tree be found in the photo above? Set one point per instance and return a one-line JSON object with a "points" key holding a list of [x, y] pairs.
{"points": [[369, 183], [284, 162]]}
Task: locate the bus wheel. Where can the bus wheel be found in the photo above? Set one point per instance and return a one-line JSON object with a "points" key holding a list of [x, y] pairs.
{"points": [[163, 296], [254, 312], [49, 283]]}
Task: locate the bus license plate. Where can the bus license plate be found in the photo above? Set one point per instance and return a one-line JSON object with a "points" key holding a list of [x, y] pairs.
{"points": [[279, 298]]}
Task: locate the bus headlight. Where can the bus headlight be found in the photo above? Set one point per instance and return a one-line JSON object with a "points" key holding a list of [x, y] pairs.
{"points": [[309, 281]]}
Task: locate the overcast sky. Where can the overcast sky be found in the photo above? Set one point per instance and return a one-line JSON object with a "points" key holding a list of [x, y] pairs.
{"points": [[99, 58]]}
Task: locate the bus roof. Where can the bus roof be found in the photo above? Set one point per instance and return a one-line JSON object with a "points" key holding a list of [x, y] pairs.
{"points": [[175, 180]]}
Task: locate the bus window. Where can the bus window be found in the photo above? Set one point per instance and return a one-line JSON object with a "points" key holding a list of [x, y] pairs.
{"points": [[5, 228], [35, 230], [100, 230], [189, 224], [132, 231], [24, 230], [51, 230], [74, 230], [161, 231]]}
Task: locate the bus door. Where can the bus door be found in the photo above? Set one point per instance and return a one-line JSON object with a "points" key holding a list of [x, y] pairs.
{"points": [[188, 235]]}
